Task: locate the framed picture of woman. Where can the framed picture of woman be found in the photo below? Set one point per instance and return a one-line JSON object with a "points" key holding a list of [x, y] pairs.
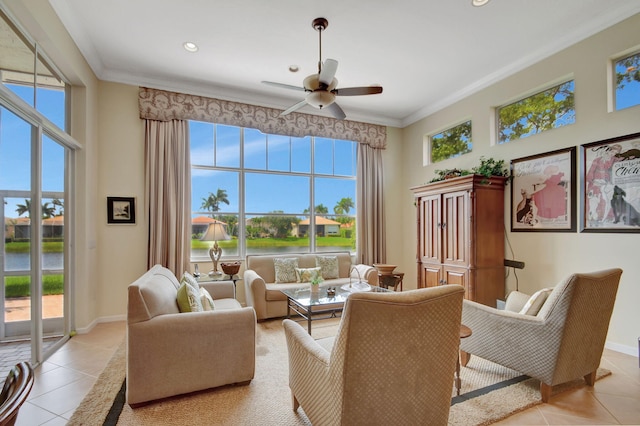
{"points": [[543, 192], [611, 185]]}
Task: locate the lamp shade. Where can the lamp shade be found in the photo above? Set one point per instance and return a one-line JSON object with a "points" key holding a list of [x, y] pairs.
{"points": [[216, 232]]}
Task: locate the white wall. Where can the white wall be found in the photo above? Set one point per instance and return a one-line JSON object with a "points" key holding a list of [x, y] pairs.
{"points": [[549, 257], [122, 248]]}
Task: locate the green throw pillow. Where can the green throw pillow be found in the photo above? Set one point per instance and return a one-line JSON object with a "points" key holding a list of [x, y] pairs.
{"points": [[305, 275], [188, 299]]}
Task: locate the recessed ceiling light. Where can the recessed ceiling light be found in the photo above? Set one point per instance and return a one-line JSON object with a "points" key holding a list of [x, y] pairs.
{"points": [[294, 68], [479, 3], [190, 47]]}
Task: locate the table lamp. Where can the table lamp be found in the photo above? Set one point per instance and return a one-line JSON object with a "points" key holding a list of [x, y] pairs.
{"points": [[215, 232]]}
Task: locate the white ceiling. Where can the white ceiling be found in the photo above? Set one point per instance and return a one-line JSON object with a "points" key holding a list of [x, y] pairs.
{"points": [[426, 54]]}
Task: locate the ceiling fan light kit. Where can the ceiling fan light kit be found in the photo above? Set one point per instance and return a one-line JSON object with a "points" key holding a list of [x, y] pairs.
{"points": [[321, 88]]}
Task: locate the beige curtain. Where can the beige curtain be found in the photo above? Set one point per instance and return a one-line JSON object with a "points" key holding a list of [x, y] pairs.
{"points": [[168, 193], [370, 206]]}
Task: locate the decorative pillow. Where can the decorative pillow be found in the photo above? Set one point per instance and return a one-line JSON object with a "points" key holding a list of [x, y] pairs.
{"points": [[535, 302], [328, 266], [189, 298], [285, 269], [305, 275], [206, 300], [190, 279]]}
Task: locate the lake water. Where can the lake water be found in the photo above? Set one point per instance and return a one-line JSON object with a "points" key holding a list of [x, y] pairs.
{"points": [[268, 250], [21, 261]]}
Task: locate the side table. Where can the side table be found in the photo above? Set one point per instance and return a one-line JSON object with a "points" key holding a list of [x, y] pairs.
{"points": [[207, 278], [393, 279]]}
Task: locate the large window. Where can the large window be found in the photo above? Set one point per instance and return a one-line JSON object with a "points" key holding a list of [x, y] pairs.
{"points": [[36, 163], [545, 110], [627, 74], [271, 193]]}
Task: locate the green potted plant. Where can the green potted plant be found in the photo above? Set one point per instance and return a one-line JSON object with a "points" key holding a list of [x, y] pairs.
{"points": [[488, 167], [315, 283]]}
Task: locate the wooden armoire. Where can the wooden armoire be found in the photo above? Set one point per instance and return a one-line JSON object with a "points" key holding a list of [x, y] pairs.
{"points": [[460, 225]]}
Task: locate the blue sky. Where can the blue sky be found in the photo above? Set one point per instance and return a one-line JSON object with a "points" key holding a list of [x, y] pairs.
{"points": [[15, 147], [266, 191]]}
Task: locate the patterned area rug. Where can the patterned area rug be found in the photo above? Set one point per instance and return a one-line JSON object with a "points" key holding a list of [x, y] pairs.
{"points": [[489, 393]]}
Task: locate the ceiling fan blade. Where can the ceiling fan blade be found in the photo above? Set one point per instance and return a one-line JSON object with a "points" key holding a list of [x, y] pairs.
{"points": [[293, 108], [357, 91], [284, 86], [328, 71], [336, 111]]}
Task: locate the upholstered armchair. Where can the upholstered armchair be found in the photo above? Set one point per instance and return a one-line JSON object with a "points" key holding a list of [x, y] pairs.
{"points": [[562, 342], [392, 361]]}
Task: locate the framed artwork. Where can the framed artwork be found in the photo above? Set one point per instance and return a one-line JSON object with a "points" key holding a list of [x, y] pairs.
{"points": [[121, 210], [543, 192], [610, 193]]}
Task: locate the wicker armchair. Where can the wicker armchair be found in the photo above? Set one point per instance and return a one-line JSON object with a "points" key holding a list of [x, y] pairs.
{"points": [[392, 361], [563, 342], [14, 393]]}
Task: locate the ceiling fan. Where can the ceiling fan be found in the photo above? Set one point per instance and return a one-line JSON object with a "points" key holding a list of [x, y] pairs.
{"points": [[321, 88]]}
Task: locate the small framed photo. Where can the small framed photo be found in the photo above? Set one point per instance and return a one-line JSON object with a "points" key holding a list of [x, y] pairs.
{"points": [[543, 192], [610, 185], [121, 210]]}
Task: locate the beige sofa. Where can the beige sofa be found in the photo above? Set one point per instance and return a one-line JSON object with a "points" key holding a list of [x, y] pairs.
{"points": [[264, 294], [172, 353]]}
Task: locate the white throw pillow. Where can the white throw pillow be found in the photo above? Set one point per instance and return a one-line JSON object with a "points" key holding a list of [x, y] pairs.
{"points": [[328, 267], [190, 279], [206, 300], [285, 268], [535, 302]]}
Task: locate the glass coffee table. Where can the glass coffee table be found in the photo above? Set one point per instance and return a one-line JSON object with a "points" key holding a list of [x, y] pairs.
{"points": [[321, 305]]}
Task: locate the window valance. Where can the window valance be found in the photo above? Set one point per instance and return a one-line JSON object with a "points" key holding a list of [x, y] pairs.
{"points": [[162, 105]]}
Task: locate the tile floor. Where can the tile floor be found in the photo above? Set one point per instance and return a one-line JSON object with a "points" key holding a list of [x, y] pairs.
{"points": [[64, 379]]}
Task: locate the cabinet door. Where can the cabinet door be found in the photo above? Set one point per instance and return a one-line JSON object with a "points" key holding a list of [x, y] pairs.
{"points": [[430, 275], [429, 229], [460, 277], [456, 214]]}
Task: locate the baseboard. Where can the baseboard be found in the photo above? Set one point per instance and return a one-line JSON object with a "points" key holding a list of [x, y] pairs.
{"points": [[92, 324], [628, 350]]}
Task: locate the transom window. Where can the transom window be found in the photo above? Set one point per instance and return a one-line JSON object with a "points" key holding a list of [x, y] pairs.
{"points": [[549, 109], [452, 142], [271, 193], [627, 83]]}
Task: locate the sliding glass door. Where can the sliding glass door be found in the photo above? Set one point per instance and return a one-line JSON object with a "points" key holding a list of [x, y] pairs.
{"points": [[34, 257]]}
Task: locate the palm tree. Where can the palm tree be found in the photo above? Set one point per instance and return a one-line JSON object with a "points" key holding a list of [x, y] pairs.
{"points": [[320, 209], [59, 204], [24, 208], [48, 210], [212, 202], [343, 206]]}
